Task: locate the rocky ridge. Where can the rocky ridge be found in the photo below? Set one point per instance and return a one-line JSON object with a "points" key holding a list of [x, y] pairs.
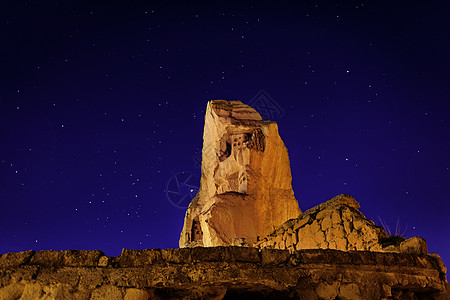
{"points": [[337, 224], [221, 273]]}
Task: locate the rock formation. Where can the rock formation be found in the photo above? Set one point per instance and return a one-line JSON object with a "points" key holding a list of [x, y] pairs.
{"points": [[338, 224], [220, 273], [245, 188], [331, 251]]}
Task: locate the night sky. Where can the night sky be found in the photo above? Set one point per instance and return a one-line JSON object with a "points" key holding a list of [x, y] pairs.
{"points": [[102, 108]]}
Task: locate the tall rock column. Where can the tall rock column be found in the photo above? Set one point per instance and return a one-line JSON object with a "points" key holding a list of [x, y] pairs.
{"points": [[245, 187]]}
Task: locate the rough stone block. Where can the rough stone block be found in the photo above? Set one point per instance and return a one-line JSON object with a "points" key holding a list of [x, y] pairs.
{"points": [[210, 254], [106, 292], [182, 255], [138, 258], [323, 245], [32, 291], [274, 256], [136, 294], [301, 222], [349, 292], [315, 227], [347, 227], [285, 236], [79, 258], [323, 214], [326, 223], [307, 243], [328, 291], [358, 224], [294, 237], [354, 239], [244, 254], [335, 233], [439, 264], [48, 258], [103, 261], [69, 258], [289, 241], [416, 245], [63, 292], [336, 217], [319, 237], [12, 291], [15, 259], [341, 244], [278, 239], [347, 214], [332, 244]]}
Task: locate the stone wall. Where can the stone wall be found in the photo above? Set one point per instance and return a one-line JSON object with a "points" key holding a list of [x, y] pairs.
{"points": [[335, 224], [221, 273]]}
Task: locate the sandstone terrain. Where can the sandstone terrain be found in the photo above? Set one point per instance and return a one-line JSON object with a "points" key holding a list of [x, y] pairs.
{"points": [[221, 273], [243, 237]]}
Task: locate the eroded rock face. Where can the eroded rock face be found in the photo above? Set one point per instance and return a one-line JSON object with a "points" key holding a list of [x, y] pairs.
{"points": [[221, 273], [335, 224], [245, 189]]}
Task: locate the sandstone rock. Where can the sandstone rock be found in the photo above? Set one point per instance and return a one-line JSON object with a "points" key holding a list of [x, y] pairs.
{"points": [[103, 261], [438, 263], [106, 292], [274, 257], [336, 224], [62, 292], [279, 239], [32, 291], [355, 240], [135, 258], [347, 214], [136, 294], [326, 223], [315, 227], [307, 243], [332, 245], [73, 258], [319, 237], [386, 292], [347, 227], [358, 224], [12, 291], [336, 217], [295, 237], [176, 255], [349, 292], [231, 272], [245, 188], [322, 214], [48, 258], [289, 241], [328, 291], [15, 259], [415, 245], [301, 222], [324, 245]]}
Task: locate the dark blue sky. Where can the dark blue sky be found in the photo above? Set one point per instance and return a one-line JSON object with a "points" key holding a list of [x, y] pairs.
{"points": [[102, 106]]}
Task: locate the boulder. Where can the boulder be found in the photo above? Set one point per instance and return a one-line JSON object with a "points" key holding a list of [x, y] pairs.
{"points": [[416, 245]]}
